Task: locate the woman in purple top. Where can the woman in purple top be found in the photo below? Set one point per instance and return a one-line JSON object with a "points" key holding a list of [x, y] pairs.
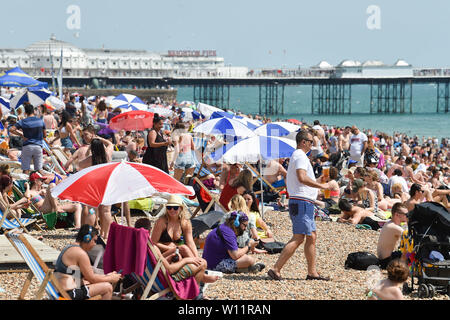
{"points": [[221, 250]]}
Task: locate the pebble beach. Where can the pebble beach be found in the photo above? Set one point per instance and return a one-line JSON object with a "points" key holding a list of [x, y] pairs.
{"points": [[335, 242]]}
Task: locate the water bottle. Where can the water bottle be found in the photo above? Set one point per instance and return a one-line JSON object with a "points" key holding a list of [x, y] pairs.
{"points": [[176, 257], [91, 211], [283, 199]]}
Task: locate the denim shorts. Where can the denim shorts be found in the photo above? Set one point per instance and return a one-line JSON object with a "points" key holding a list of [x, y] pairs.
{"points": [[184, 161], [302, 216], [67, 143]]}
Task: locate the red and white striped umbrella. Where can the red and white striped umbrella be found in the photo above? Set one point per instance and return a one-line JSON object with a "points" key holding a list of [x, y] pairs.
{"points": [[117, 182], [132, 120]]}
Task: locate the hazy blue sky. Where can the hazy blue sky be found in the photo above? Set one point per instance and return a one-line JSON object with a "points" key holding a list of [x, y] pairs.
{"points": [[254, 33]]}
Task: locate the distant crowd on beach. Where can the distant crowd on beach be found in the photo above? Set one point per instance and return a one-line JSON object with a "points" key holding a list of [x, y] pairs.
{"points": [[368, 179]]}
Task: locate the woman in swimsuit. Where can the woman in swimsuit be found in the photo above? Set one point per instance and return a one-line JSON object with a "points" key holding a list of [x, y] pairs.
{"points": [[74, 271], [172, 230], [42, 199], [101, 113], [389, 289], [66, 131], [331, 195]]}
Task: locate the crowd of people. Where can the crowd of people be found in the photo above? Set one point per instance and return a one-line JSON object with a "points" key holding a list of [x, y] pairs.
{"points": [[337, 173]]}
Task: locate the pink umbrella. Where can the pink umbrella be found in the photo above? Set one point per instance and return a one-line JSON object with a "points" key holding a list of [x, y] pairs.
{"points": [[132, 120], [117, 182]]}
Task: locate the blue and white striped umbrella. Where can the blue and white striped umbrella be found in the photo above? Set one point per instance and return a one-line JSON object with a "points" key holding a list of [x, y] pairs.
{"points": [[35, 96], [190, 114], [224, 126], [276, 129], [128, 102], [223, 114], [251, 123], [4, 104], [254, 149]]}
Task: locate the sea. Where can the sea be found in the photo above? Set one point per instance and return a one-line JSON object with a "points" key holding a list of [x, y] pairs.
{"points": [[424, 121]]}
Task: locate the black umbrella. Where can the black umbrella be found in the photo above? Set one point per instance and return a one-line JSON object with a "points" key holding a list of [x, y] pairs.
{"points": [[205, 222]]}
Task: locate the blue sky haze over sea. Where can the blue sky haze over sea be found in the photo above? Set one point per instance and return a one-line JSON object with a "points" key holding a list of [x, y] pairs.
{"points": [[253, 33]]}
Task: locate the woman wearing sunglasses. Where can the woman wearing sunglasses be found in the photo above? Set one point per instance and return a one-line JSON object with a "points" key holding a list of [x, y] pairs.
{"points": [[172, 230]]}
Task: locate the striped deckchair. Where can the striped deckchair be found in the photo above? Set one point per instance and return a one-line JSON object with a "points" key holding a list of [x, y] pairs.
{"points": [[6, 224], [44, 275], [156, 278], [152, 280], [144, 264], [266, 183], [38, 269], [56, 165]]}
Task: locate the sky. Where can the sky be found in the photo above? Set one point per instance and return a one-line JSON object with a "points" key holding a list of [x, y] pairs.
{"points": [[252, 33]]}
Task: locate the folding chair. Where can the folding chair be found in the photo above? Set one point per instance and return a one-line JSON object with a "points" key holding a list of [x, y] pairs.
{"points": [[154, 277], [18, 192], [214, 199], [55, 162], [265, 182], [6, 224], [39, 269]]}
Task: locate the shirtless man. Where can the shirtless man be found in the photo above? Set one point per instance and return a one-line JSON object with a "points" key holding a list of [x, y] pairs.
{"points": [[344, 138], [354, 214], [87, 135], [390, 235], [274, 172], [417, 195]]}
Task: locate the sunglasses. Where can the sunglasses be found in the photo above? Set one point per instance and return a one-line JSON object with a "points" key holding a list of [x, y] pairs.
{"points": [[172, 207], [308, 140]]}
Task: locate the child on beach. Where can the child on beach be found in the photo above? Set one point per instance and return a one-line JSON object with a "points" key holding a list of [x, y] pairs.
{"points": [[389, 289]]}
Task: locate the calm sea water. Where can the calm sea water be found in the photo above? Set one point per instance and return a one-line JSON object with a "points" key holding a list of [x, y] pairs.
{"points": [[424, 121]]}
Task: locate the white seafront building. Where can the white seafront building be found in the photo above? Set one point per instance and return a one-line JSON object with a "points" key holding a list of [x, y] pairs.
{"points": [[39, 58]]}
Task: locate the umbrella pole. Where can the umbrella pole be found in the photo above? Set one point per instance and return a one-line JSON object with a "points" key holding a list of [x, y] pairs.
{"points": [[262, 189], [121, 214]]}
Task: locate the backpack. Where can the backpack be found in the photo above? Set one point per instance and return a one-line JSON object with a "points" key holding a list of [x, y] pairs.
{"points": [[271, 247], [361, 260]]}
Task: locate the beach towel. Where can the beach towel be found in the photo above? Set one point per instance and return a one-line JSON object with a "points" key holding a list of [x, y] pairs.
{"points": [[126, 250]]}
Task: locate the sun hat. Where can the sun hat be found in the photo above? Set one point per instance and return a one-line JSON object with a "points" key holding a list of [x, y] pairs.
{"points": [[345, 171], [357, 184], [174, 200]]}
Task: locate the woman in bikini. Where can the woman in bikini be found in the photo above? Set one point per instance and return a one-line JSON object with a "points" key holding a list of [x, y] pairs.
{"points": [[101, 113], [372, 181], [331, 195], [174, 231], [67, 132]]}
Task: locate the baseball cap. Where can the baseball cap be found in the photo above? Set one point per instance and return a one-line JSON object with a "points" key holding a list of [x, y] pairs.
{"points": [[36, 175], [357, 184]]}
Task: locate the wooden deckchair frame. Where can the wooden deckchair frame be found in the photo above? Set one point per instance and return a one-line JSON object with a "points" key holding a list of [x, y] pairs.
{"points": [[214, 199], [260, 176], [33, 207], [8, 211], [49, 274]]}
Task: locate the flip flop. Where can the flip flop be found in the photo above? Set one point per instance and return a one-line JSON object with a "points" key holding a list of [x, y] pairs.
{"points": [[273, 275], [308, 277]]}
